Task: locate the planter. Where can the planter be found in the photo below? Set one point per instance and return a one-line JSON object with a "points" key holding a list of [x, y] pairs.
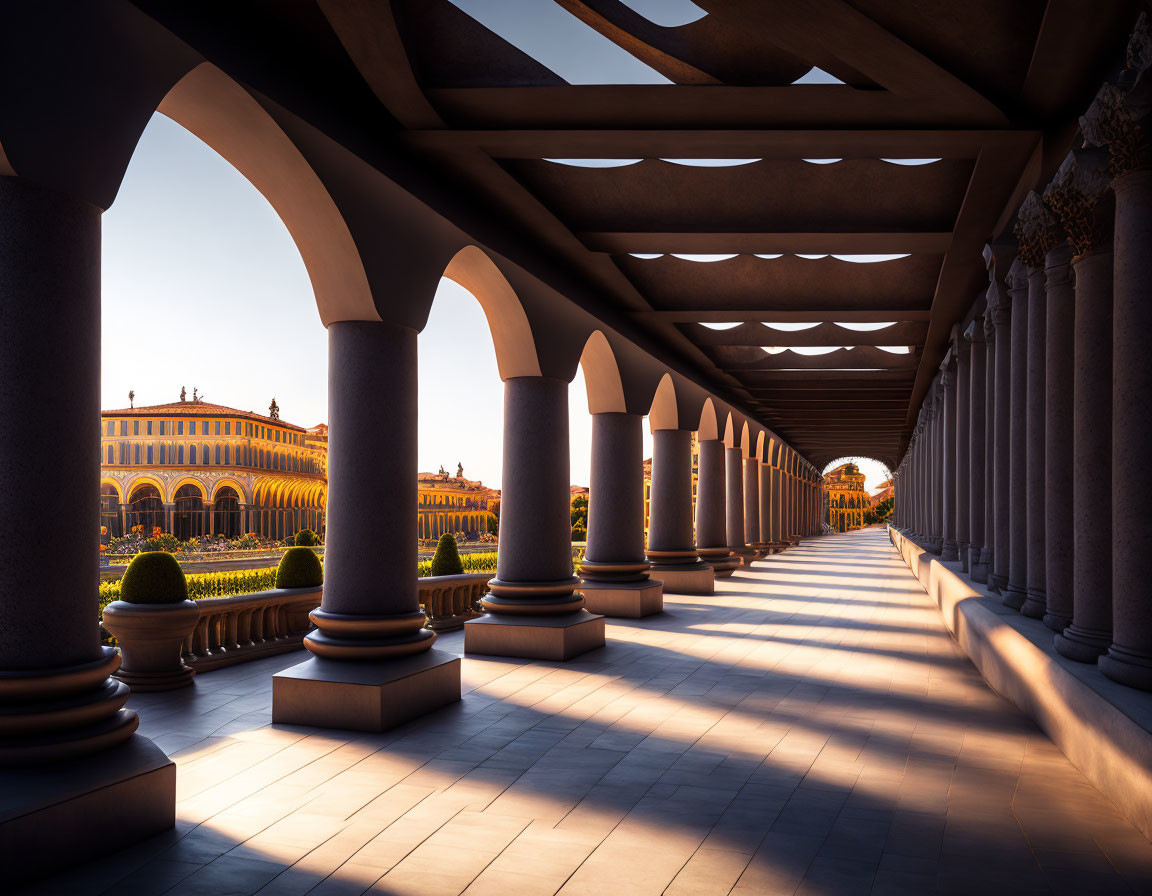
{"points": [[150, 638]]}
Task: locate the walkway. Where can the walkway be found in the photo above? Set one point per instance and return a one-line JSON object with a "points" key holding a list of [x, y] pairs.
{"points": [[810, 729]]}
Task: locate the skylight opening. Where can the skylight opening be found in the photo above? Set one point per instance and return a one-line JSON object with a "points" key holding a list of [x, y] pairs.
{"points": [[561, 42], [773, 349], [911, 162], [702, 258], [594, 163], [822, 161], [647, 256], [895, 349], [792, 327], [817, 76], [711, 163], [872, 259], [769, 257], [812, 350], [667, 13], [833, 369], [865, 327], [724, 326], [813, 257]]}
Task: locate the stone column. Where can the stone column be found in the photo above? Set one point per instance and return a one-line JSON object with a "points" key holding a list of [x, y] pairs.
{"points": [[1058, 440], [711, 521], [671, 545], [370, 634], [614, 575], [69, 758], [937, 464], [1015, 592], [974, 336], [533, 610], [1119, 120], [961, 449], [1080, 194], [1039, 233], [752, 505], [987, 553], [948, 377], [734, 505]]}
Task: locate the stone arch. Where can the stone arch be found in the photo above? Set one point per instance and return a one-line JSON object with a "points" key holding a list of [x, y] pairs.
{"points": [[709, 428], [115, 484], [731, 432], [761, 438], [665, 412], [745, 441], [187, 480], [227, 118], [233, 484], [138, 481], [512, 336], [602, 376]]}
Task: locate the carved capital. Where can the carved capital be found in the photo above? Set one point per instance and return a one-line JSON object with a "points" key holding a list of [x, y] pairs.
{"points": [[1037, 230], [1017, 278], [989, 329], [999, 311], [1081, 196], [974, 332], [1118, 119]]}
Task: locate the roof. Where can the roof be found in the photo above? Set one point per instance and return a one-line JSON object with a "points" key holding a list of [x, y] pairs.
{"points": [[198, 409]]}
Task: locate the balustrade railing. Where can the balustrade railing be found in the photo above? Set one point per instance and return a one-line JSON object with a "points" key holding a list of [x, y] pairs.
{"points": [[250, 626]]}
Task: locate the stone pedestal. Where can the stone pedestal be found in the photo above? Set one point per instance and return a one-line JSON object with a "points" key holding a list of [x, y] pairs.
{"points": [[614, 572], [369, 617], [533, 605]]}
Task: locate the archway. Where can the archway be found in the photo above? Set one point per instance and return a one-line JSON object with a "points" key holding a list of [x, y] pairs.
{"points": [[226, 513], [110, 522], [188, 512], [146, 509]]}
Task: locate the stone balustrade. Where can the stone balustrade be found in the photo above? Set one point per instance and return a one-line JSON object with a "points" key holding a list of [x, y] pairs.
{"points": [[248, 626]]}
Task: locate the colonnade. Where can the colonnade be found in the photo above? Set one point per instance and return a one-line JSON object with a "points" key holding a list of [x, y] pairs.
{"points": [[1028, 464]]}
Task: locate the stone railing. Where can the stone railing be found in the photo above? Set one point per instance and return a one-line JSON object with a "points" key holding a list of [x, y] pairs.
{"points": [[449, 600], [249, 626]]}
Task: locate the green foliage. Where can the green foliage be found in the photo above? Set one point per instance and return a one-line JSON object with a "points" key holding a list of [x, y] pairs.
{"points": [[579, 533], [477, 562], [299, 568], [153, 577], [446, 560], [306, 538], [580, 512]]}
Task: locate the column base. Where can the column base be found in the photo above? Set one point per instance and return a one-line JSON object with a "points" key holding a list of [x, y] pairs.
{"points": [[534, 637], [630, 600], [725, 566], [372, 695], [996, 583], [1128, 667], [950, 552], [1057, 621], [1081, 644], [963, 549], [745, 556], [1035, 606], [692, 578], [1014, 596], [47, 813], [978, 568]]}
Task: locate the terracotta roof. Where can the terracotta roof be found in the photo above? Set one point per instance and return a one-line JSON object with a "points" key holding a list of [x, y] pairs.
{"points": [[197, 409]]}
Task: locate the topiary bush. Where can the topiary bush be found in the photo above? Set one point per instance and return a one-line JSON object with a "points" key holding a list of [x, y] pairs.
{"points": [[446, 560], [299, 568], [306, 538], [153, 577]]}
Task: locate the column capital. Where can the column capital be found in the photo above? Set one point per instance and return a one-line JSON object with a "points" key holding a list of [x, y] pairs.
{"points": [[1017, 279], [999, 310], [1038, 231], [1080, 194], [974, 332], [1118, 118]]}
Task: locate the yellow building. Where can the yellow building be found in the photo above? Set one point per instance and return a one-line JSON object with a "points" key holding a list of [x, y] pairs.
{"points": [[648, 479], [193, 468], [453, 504], [846, 497]]}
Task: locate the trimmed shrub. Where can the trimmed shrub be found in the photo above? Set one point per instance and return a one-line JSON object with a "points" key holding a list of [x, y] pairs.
{"points": [[153, 577], [446, 560], [299, 568], [289, 540], [579, 533], [306, 538]]}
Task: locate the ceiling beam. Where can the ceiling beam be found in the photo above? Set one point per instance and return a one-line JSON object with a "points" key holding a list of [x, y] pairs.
{"points": [[721, 316], [905, 333], [841, 243]]}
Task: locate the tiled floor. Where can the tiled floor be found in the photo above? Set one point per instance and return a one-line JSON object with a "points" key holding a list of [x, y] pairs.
{"points": [[810, 729]]}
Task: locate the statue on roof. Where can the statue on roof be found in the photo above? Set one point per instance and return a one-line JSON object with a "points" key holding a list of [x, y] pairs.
{"points": [[196, 396], [183, 394], [274, 409], [131, 398], [459, 471]]}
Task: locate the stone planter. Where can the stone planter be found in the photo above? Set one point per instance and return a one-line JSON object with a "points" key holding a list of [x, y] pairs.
{"points": [[150, 638]]}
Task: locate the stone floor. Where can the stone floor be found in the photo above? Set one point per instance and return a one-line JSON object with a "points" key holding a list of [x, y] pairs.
{"points": [[809, 729]]}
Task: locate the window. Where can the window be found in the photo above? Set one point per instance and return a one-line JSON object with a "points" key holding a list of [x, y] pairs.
{"points": [[180, 454], [217, 447], [227, 460], [227, 429], [163, 454], [180, 428], [137, 454], [161, 427], [123, 427], [150, 454], [191, 427], [149, 425], [110, 428], [188, 513], [109, 454], [217, 427], [192, 453], [109, 512], [135, 427]]}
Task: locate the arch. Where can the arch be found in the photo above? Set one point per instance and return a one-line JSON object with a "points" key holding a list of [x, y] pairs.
{"points": [[146, 507], [110, 501], [709, 428], [228, 482], [664, 413], [140, 481], [731, 439], [745, 441], [188, 510], [760, 439], [227, 118], [188, 480], [602, 376], [104, 480], [226, 512], [512, 336]]}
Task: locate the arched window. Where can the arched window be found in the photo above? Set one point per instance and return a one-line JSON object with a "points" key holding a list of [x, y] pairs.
{"points": [[192, 454], [109, 512], [227, 458], [188, 516], [146, 508], [226, 513]]}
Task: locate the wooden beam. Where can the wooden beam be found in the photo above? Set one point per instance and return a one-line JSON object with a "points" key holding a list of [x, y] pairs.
{"points": [[840, 243]]}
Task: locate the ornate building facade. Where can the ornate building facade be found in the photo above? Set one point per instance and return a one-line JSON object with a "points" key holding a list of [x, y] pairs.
{"points": [[194, 468], [846, 497], [453, 504]]}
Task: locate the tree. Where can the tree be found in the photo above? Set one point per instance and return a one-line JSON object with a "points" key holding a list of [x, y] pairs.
{"points": [[580, 511]]}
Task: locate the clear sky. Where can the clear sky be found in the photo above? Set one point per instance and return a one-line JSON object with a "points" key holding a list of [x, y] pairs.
{"points": [[203, 287]]}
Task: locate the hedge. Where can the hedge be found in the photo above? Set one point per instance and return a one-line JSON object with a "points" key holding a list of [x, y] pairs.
{"points": [[478, 562]]}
